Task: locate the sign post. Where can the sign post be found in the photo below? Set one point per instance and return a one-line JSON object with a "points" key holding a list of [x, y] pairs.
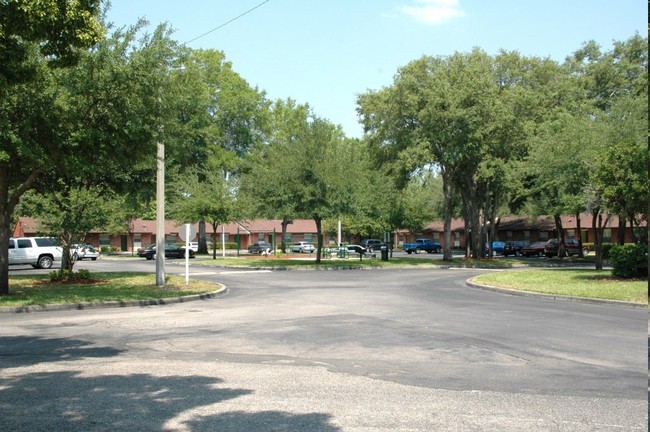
{"points": [[187, 233]]}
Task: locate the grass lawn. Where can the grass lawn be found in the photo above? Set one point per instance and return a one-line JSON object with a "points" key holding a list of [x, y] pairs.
{"points": [[103, 287], [570, 282]]}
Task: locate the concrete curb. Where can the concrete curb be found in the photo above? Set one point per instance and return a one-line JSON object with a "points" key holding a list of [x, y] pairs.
{"points": [[557, 297], [114, 304]]}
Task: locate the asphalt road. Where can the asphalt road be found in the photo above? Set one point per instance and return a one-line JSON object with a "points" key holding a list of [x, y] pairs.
{"points": [[363, 350]]}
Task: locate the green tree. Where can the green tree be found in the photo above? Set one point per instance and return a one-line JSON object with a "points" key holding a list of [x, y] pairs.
{"points": [[57, 29], [269, 185], [70, 213], [304, 171], [204, 196], [98, 121], [220, 117], [460, 114]]}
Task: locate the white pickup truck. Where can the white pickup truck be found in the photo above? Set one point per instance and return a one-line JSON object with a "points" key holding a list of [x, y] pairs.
{"points": [[39, 252]]}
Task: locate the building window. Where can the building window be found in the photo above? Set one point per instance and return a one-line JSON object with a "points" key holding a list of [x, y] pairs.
{"points": [[170, 239], [104, 240], [543, 235], [436, 236], [527, 235], [456, 239], [508, 235], [571, 234], [288, 237], [308, 237], [137, 241], [607, 235]]}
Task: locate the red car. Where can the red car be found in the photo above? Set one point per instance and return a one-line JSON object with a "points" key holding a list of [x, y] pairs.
{"points": [[534, 249]]}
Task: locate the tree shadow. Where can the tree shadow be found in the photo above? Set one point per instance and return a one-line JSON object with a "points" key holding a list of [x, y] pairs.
{"points": [[137, 402], [73, 401], [31, 350]]}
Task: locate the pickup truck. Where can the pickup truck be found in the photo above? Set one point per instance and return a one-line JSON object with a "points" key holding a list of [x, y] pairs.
{"points": [[422, 244]]}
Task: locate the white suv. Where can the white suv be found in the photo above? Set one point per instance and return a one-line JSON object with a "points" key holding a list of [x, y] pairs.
{"points": [[39, 252]]}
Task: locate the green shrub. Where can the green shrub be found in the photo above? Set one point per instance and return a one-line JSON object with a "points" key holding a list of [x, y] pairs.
{"points": [[67, 275], [629, 261]]}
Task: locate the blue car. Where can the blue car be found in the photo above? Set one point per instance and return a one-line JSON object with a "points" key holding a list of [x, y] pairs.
{"points": [[497, 248]]}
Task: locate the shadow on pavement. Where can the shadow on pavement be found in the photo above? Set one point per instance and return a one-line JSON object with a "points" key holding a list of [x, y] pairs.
{"points": [[74, 401]]}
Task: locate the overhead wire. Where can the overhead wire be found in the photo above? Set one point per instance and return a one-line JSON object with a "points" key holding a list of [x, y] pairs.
{"points": [[227, 22]]}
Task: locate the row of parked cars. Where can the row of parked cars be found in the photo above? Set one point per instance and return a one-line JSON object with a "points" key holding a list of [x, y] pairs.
{"points": [[548, 248], [367, 246]]}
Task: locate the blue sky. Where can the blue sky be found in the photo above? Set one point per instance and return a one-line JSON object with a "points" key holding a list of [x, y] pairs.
{"points": [[326, 52]]}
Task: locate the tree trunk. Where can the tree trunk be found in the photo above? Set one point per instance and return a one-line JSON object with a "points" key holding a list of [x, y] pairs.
{"points": [[5, 233], [598, 240], [448, 192], [560, 235], [319, 238], [579, 228], [285, 221], [203, 243], [7, 205], [214, 240], [621, 229]]}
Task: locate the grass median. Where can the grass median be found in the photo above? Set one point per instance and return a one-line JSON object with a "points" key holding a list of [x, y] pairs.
{"points": [[587, 283], [29, 290]]}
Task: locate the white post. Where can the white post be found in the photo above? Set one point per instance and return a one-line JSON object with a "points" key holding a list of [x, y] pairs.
{"points": [[339, 238], [187, 254], [223, 241], [160, 215]]}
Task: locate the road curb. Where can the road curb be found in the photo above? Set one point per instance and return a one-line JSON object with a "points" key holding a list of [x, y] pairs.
{"points": [[114, 304], [557, 297]]}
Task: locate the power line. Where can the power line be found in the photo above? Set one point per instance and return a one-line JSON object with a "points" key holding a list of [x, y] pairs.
{"points": [[227, 22]]}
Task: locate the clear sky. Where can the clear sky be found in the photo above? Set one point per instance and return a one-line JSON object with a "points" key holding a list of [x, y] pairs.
{"points": [[326, 52]]}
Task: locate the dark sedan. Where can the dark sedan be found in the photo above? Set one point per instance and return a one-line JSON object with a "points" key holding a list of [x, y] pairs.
{"points": [[171, 251]]}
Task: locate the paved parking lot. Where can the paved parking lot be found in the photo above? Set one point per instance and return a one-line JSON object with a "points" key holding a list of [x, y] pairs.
{"points": [[328, 351]]}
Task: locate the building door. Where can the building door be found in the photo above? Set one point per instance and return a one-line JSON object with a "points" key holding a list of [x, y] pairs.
{"points": [[124, 240]]}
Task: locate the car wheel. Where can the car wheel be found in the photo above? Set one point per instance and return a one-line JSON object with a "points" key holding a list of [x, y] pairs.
{"points": [[45, 262], [540, 254], [437, 250], [75, 256], [418, 250], [94, 259], [585, 252], [408, 252], [517, 253]]}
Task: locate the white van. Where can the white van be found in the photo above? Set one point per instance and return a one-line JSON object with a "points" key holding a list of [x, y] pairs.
{"points": [[39, 252]]}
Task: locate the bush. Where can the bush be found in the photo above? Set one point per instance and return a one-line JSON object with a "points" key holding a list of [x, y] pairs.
{"points": [[67, 275], [629, 261]]}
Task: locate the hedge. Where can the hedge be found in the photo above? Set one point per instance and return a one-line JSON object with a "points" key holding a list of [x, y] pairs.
{"points": [[630, 260]]}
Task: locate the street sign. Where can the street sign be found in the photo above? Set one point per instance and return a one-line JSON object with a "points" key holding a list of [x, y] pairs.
{"points": [[182, 231]]}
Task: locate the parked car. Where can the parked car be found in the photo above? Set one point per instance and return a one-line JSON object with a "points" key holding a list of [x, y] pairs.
{"points": [[194, 246], [571, 247], [260, 247], [355, 248], [83, 251], [534, 249], [39, 252], [497, 248], [302, 247], [514, 248], [171, 251], [372, 244]]}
